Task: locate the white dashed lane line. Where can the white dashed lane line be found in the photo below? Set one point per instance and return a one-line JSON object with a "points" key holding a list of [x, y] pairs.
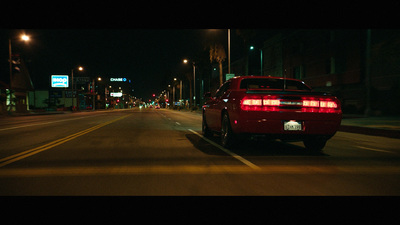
{"points": [[238, 157]]}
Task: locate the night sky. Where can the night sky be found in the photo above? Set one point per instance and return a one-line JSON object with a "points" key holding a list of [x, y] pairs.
{"points": [[146, 56], [146, 42]]}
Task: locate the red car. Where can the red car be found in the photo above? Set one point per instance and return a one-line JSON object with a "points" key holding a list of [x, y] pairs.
{"points": [[274, 107]]}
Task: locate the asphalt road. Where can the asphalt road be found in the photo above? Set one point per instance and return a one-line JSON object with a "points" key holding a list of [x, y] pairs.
{"points": [[162, 152]]}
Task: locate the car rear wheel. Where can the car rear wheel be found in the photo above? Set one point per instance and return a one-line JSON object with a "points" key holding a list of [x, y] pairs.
{"points": [[227, 136], [315, 145]]}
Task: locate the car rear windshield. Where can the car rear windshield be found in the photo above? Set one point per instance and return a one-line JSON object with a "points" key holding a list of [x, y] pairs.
{"points": [[269, 83]]}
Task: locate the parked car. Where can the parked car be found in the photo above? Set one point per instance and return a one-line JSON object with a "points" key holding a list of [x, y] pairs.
{"points": [[274, 107]]}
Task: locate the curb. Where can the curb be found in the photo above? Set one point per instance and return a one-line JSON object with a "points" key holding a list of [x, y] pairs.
{"points": [[370, 131]]}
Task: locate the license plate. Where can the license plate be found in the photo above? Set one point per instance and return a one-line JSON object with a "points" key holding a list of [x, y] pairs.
{"points": [[292, 125]]}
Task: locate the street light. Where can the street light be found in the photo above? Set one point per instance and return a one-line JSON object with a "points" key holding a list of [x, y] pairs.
{"points": [[261, 55], [80, 68], [180, 88], [25, 38], [194, 79]]}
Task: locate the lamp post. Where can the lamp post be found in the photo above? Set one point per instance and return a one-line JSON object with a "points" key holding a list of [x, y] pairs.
{"points": [[194, 80], [251, 48], [229, 51], [25, 38], [173, 93], [180, 89], [80, 68]]}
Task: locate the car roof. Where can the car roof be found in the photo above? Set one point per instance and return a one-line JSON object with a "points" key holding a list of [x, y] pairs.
{"points": [[263, 77], [236, 80]]}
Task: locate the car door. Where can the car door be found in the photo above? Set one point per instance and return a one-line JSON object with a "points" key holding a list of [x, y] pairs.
{"points": [[216, 106]]}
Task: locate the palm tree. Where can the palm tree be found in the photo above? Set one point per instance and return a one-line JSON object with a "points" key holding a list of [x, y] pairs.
{"points": [[217, 53]]}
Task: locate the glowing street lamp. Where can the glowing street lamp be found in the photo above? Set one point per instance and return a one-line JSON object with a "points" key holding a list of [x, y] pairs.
{"points": [[194, 79], [25, 38], [80, 68], [261, 55]]}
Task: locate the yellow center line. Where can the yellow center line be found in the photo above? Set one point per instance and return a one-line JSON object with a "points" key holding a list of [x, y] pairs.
{"points": [[22, 155], [198, 169]]}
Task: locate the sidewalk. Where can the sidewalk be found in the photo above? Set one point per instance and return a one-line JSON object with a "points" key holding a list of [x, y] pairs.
{"points": [[388, 126]]}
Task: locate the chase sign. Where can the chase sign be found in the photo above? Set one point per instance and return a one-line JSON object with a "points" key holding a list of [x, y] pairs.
{"points": [[59, 81], [118, 79]]}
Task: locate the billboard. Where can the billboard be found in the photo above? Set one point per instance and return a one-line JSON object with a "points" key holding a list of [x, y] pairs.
{"points": [[59, 81], [116, 94]]}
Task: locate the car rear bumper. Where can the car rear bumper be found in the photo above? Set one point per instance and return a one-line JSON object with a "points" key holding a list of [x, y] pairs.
{"points": [[272, 123]]}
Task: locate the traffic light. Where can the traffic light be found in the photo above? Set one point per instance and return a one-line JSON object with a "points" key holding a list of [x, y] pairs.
{"points": [[154, 95]]}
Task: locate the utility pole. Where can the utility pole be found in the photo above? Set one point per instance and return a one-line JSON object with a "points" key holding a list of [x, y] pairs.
{"points": [[368, 74], [229, 51], [10, 67]]}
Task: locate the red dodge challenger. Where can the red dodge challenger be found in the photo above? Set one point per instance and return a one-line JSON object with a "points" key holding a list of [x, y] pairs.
{"points": [[274, 107]]}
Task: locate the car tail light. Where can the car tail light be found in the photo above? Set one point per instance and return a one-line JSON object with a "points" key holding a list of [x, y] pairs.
{"points": [[306, 104], [271, 102], [259, 103], [328, 104], [310, 103], [320, 105], [251, 102]]}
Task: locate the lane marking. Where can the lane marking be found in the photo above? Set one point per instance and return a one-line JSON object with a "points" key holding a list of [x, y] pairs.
{"points": [[25, 154], [190, 169], [238, 157], [37, 124], [177, 123], [374, 149]]}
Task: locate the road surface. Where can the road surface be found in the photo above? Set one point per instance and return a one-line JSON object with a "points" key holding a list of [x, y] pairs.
{"points": [[162, 152]]}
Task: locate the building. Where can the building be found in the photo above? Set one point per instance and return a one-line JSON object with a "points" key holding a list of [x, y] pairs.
{"points": [[15, 99], [360, 67]]}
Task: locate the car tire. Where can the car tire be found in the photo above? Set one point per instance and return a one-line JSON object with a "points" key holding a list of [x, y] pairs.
{"points": [[315, 145], [227, 135], [204, 128]]}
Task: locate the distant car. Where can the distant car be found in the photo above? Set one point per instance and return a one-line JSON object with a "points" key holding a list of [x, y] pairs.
{"points": [[275, 107], [157, 107]]}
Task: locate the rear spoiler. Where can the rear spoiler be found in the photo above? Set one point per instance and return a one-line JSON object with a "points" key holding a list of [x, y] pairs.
{"points": [[282, 92]]}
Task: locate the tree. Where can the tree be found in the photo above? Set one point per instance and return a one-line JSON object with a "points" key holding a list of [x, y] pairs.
{"points": [[217, 53]]}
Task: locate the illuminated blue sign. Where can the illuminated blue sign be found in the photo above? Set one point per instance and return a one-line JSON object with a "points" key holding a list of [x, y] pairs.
{"points": [[119, 79], [59, 81]]}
